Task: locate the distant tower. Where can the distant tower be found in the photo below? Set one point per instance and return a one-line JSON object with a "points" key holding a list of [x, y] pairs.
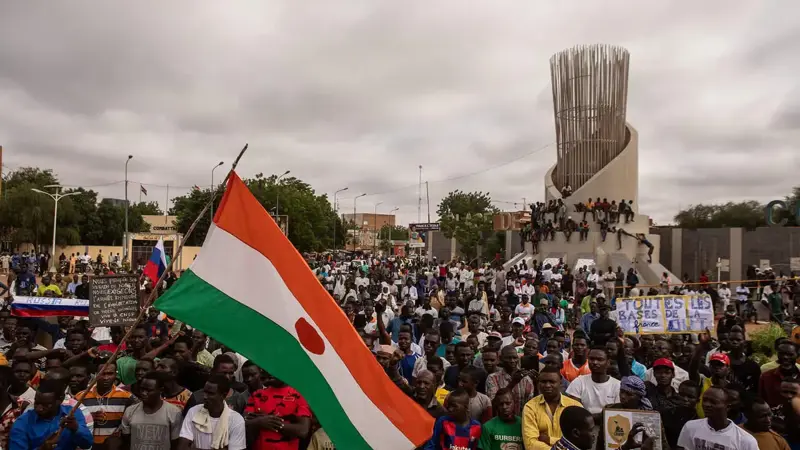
{"points": [[590, 92]]}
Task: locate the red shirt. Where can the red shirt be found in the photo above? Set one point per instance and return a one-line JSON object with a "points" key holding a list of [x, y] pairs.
{"points": [[284, 402]]}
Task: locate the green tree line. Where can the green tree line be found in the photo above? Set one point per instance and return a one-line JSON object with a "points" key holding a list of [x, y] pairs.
{"points": [[26, 216], [311, 216], [744, 214]]}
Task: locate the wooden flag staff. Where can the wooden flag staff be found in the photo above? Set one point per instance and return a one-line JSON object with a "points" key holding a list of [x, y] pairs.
{"points": [[53, 439]]}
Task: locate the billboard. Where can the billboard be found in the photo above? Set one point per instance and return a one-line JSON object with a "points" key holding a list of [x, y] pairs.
{"points": [[417, 233], [421, 227]]}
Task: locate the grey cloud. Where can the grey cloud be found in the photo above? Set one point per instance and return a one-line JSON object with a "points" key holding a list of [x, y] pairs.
{"points": [[358, 93]]}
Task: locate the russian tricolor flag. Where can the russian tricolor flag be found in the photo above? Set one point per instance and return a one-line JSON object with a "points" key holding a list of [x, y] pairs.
{"points": [[157, 263]]}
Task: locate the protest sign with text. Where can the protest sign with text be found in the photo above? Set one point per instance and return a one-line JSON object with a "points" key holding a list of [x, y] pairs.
{"points": [[664, 314]]}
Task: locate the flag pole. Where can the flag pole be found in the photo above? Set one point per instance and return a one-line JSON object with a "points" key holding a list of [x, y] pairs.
{"points": [[151, 298]]}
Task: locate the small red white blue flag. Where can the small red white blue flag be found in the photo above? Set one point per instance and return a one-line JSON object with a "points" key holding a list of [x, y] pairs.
{"points": [[157, 263]]}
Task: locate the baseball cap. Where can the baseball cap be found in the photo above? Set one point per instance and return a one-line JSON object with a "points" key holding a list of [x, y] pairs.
{"points": [[518, 320], [663, 362], [720, 357], [495, 334]]}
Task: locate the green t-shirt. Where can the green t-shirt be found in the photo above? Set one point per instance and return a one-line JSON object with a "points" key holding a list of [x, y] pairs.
{"points": [[776, 304], [499, 435]]}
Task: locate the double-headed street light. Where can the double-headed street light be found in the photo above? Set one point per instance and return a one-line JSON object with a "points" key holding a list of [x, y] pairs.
{"points": [[56, 197], [213, 191], [278, 193], [335, 212]]}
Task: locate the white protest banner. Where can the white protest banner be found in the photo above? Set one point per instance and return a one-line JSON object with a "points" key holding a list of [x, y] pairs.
{"points": [[664, 314]]}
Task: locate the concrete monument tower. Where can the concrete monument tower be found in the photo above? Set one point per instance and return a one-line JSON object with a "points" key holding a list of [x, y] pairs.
{"points": [[597, 157]]}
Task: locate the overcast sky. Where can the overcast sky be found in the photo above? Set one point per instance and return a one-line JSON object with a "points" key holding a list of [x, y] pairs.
{"points": [[360, 93]]}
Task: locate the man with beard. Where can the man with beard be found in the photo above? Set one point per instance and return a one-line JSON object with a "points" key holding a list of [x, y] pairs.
{"points": [[424, 389], [280, 415], [540, 418], [769, 385]]}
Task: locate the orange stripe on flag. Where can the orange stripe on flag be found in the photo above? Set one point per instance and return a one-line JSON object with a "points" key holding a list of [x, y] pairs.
{"points": [[242, 215]]}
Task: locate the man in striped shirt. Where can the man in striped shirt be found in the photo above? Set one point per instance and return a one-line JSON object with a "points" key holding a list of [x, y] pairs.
{"points": [[106, 403]]}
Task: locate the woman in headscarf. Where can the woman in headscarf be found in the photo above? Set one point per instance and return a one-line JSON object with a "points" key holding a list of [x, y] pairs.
{"points": [[632, 396]]}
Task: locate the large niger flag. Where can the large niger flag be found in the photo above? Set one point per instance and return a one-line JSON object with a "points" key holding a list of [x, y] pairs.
{"points": [[251, 290]]}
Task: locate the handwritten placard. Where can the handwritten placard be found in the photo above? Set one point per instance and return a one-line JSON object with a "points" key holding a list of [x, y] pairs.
{"points": [[663, 314], [113, 300]]}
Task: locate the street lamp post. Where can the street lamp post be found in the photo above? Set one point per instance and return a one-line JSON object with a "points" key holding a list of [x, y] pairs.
{"points": [[56, 197], [354, 219], [125, 240], [375, 228], [212, 189], [278, 194], [389, 237], [335, 212]]}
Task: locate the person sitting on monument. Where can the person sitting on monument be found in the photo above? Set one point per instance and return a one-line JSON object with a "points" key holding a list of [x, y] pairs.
{"points": [[584, 230], [569, 227]]}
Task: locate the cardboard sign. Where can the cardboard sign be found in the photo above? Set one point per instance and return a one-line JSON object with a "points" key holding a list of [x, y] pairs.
{"points": [[617, 423], [114, 300], [665, 314]]}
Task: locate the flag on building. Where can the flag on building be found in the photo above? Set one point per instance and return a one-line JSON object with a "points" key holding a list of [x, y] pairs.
{"points": [[144, 191], [290, 326], [157, 263]]}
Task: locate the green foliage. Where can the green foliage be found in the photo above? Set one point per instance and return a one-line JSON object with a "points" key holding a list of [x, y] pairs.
{"points": [[746, 214], [394, 233], [311, 216], [146, 209], [27, 216], [763, 341], [385, 246], [466, 216]]}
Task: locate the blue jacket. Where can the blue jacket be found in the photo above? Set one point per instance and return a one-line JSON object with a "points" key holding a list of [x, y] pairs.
{"points": [[30, 431]]}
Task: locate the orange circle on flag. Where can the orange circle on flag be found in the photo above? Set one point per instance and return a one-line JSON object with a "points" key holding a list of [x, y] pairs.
{"points": [[309, 337]]}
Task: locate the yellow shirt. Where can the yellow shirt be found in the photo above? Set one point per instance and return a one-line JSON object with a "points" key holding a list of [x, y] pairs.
{"points": [[51, 287], [703, 388], [441, 394], [536, 419]]}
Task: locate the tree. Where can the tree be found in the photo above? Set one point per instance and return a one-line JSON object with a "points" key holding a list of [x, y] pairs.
{"points": [[27, 216], [745, 214], [465, 216], [146, 209], [385, 246], [311, 216], [393, 233]]}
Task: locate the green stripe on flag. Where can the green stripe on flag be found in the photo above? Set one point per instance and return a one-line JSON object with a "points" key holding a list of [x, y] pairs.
{"points": [[201, 305]]}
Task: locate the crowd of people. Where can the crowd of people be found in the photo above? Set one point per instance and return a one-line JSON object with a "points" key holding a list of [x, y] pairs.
{"points": [[528, 357]]}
